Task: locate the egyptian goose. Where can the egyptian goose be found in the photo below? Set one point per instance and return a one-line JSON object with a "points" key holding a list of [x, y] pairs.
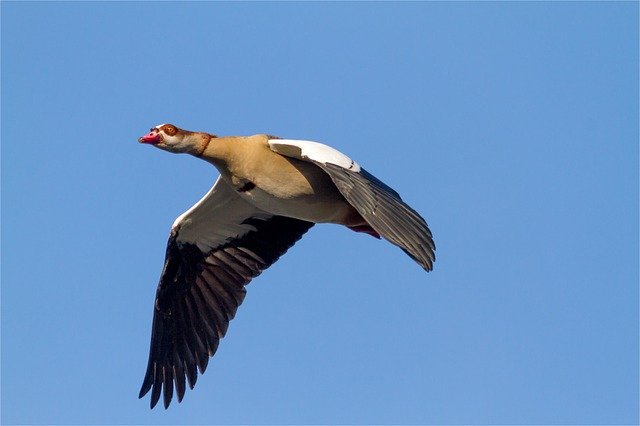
{"points": [[269, 193]]}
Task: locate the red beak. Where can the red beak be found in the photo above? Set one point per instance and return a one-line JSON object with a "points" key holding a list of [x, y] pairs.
{"points": [[152, 137]]}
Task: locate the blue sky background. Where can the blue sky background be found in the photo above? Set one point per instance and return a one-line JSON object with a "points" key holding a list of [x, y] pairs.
{"points": [[512, 127]]}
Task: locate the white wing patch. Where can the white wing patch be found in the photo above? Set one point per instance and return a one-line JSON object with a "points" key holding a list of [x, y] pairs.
{"points": [[217, 218], [312, 151]]}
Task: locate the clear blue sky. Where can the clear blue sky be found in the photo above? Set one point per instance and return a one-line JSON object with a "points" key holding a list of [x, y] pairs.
{"points": [[512, 127]]}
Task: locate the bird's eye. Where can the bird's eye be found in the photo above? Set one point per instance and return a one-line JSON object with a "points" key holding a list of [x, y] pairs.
{"points": [[170, 130]]}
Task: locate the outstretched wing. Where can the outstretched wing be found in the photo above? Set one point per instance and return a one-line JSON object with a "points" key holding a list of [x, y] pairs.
{"points": [[214, 250], [377, 203]]}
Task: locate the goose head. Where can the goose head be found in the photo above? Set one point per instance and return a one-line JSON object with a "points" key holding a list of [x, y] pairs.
{"points": [[173, 139]]}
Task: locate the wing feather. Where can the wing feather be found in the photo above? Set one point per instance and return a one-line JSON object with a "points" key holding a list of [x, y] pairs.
{"points": [[179, 374], [214, 250], [167, 383], [385, 212]]}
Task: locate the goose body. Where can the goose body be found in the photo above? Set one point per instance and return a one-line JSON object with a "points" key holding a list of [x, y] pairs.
{"points": [[270, 192]]}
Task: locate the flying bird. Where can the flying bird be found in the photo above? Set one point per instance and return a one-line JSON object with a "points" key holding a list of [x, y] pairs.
{"points": [[269, 193]]}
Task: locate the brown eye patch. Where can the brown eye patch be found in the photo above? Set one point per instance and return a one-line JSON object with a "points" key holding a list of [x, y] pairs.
{"points": [[169, 129]]}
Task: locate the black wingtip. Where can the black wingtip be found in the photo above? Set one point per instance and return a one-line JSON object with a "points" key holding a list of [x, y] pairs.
{"points": [[155, 394], [146, 386], [167, 386]]}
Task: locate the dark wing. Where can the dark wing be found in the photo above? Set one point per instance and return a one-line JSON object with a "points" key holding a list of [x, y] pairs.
{"points": [[214, 250], [385, 211], [377, 203]]}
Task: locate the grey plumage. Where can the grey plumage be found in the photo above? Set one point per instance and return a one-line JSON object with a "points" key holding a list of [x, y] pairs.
{"points": [[385, 211]]}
